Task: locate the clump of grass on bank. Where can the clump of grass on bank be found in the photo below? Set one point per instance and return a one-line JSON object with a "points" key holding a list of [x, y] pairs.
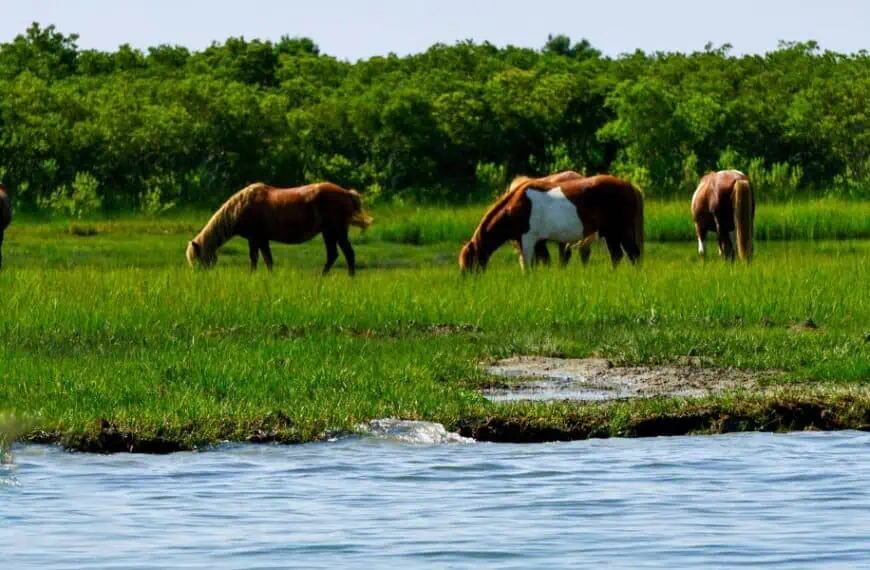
{"points": [[117, 339]]}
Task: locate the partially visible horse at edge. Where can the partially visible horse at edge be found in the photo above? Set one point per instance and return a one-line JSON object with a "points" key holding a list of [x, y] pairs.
{"points": [[262, 213], [5, 216], [724, 202], [567, 211]]}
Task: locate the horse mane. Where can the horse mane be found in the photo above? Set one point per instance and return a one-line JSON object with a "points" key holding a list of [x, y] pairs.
{"points": [[221, 226], [517, 181], [499, 204]]}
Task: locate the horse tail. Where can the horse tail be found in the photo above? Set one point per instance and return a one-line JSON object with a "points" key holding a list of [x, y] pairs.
{"points": [[637, 226], [359, 217], [743, 217]]}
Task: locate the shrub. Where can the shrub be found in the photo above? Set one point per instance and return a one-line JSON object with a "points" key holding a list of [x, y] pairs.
{"points": [[79, 200], [491, 178]]}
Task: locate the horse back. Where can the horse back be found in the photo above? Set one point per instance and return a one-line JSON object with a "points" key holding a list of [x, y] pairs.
{"points": [[602, 201], [295, 215], [714, 193]]}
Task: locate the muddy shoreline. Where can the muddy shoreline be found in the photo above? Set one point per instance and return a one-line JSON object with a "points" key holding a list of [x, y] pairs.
{"points": [[774, 416], [782, 413]]}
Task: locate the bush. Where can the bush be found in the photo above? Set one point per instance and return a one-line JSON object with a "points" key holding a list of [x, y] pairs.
{"points": [[83, 199], [781, 180], [153, 202], [491, 178]]}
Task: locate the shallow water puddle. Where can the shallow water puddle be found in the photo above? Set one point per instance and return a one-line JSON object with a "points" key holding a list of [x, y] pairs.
{"points": [[593, 379]]}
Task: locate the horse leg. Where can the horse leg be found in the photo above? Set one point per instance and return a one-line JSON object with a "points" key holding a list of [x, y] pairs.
{"points": [[348, 253], [253, 251], [528, 243], [1, 250], [726, 249], [632, 249], [585, 253], [615, 247], [267, 254], [542, 254], [564, 254], [702, 235], [331, 251]]}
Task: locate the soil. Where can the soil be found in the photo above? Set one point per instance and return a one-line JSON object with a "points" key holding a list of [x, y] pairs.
{"points": [[544, 378]]}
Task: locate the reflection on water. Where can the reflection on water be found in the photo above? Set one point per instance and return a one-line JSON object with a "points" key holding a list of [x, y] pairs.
{"points": [[779, 501]]}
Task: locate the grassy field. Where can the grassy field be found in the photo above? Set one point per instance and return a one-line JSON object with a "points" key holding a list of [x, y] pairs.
{"points": [[110, 341], [822, 219]]}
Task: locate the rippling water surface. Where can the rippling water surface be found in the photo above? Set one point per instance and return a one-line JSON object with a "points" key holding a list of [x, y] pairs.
{"points": [[746, 500]]}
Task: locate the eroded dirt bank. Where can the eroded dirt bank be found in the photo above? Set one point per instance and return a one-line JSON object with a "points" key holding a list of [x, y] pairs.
{"points": [[774, 415]]}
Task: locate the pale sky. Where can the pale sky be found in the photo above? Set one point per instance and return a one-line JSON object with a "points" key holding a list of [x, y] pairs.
{"points": [[353, 29]]}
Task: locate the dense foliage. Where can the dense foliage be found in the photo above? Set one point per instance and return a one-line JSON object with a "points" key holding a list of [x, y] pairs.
{"points": [[84, 129]]}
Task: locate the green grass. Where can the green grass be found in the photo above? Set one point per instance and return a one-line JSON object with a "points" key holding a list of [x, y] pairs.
{"points": [[820, 219], [115, 326]]}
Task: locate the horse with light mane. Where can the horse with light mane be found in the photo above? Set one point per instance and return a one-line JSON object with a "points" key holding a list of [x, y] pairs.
{"points": [[571, 210], [724, 203], [262, 213], [5, 216]]}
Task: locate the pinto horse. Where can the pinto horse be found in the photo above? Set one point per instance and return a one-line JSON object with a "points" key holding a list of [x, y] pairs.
{"points": [[724, 202], [566, 211], [5, 216], [542, 254], [262, 213]]}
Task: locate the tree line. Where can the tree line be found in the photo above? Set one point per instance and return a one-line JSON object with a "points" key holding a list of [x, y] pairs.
{"points": [[85, 129]]}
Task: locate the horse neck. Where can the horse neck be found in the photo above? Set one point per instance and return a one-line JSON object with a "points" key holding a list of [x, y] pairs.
{"points": [[490, 236], [214, 234]]}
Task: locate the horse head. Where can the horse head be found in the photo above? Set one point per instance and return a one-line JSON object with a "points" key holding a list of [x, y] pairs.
{"points": [[471, 258], [196, 255]]}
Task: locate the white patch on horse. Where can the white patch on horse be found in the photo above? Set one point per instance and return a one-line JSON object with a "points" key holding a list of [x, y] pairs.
{"points": [[701, 250], [553, 217]]}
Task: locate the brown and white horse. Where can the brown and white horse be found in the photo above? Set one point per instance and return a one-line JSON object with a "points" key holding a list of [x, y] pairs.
{"points": [[542, 254], [5, 216], [724, 203], [566, 211], [261, 213]]}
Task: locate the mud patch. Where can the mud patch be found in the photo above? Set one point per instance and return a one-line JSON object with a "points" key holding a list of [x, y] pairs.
{"points": [[541, 378]]}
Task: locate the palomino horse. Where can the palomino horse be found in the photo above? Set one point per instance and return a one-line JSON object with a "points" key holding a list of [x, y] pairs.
{"points": [[261, 213], [724, 202], [568, 211], [5, 216]]}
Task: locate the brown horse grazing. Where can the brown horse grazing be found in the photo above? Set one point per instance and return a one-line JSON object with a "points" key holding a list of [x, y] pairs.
{"points": [[261, 213], [5, 216], [571, 210], [724, 202]]}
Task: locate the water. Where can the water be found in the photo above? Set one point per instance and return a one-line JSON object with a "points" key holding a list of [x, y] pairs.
{"points": [[745, 500]]}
